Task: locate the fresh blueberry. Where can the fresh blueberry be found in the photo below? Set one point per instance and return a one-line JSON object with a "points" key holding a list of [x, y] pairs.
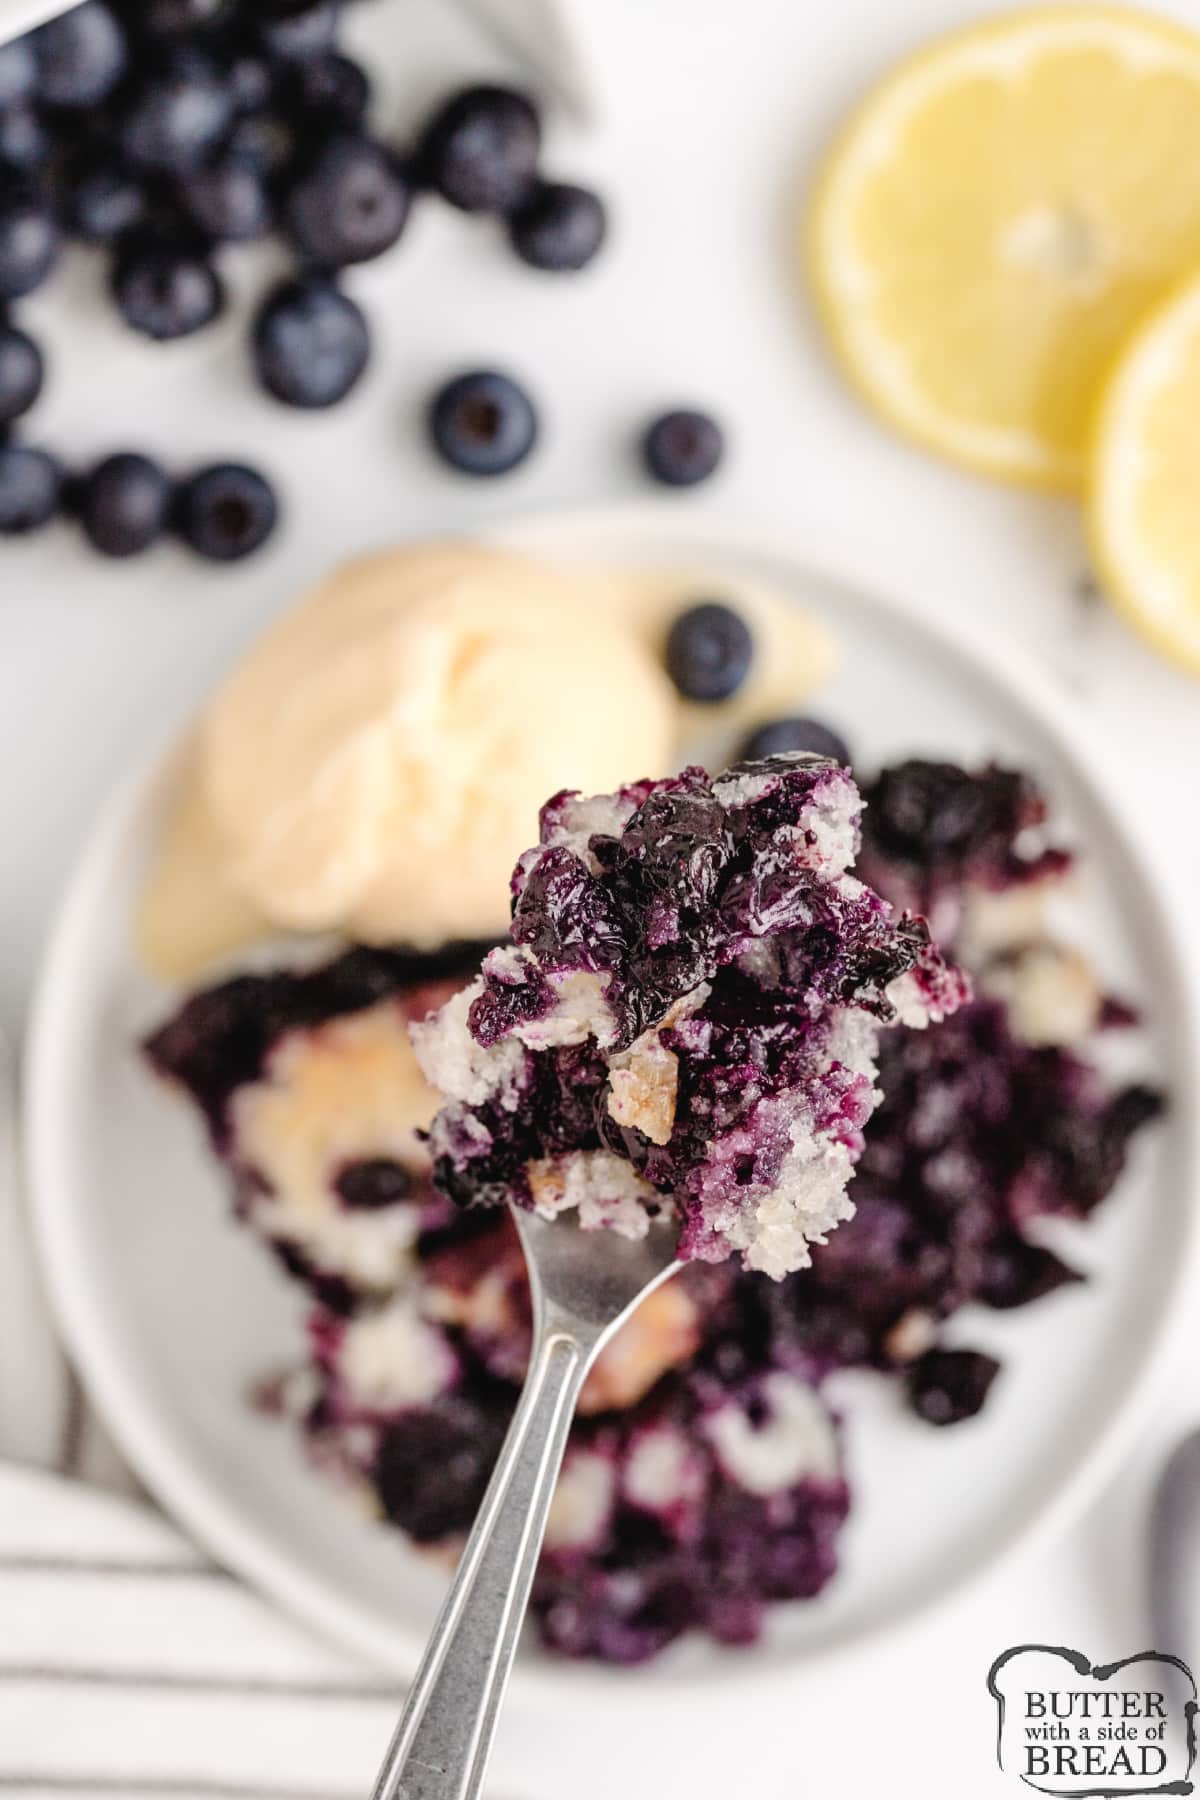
{"points": [[179, 114], [29, 244], [947, 1386], [778, 737], [311, 343], [683, 448], [294, 29], [103, 202], [18, 72], [31, 485], [559, 226], [249, 81], [228, 200], [480, 150], [22, 371], [483, 423], [124, 504], [263, 140], [226, 512], [350, 204], [165, 290], [334, 87], [709, 651], [24, 139], [81, 56]]}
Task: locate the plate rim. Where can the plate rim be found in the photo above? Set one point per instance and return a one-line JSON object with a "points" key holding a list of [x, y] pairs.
{"points": [[189, 1497]]}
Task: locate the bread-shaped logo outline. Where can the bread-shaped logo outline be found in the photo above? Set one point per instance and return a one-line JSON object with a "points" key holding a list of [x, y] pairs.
{"points": [[1083, 1666]]}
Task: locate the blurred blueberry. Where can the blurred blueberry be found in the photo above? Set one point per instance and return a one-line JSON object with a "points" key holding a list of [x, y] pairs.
{"points": [[1016, 1272], [24, 139], [22, 372], [29, 244], [226, 512], [311, 343], [291, 31], [249, 82], [31, 486], [559, 227], [350, 204], [263, 139], [124, 504], [18, 72], [179, 113], [483, 423], [683, 447], [778, 737], [709, 651], [81, 55], [334, 87], [165, 290], [103, 201], [480, 150], [228, 200]]}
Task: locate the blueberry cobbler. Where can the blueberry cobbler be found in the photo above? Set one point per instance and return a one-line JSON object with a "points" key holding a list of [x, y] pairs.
{"points": [[313, 1100], [686, 1016], [706, 1476]]}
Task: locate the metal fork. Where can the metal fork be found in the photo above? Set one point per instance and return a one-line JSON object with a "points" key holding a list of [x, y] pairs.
{"points": [[584, 1285]]}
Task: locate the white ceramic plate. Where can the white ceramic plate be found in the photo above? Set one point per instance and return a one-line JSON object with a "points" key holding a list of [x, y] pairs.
{"points": [[172, 1311]]}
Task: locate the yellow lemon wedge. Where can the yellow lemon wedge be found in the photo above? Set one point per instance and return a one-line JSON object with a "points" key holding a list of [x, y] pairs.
{"points": [[997, 215], [1143, 510]]}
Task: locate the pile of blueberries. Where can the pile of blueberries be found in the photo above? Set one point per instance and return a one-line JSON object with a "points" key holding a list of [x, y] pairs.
{"points": [[160, 130]]}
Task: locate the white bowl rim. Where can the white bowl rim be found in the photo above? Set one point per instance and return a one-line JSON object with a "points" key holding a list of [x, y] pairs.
{"points": [[217, 1525]]}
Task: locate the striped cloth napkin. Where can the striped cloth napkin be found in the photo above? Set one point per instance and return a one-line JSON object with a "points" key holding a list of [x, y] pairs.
{"points": [[130, 1665], [43, 1418]]}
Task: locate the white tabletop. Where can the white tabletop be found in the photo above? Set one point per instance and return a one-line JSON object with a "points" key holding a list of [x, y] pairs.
{"points": [[711, 117]]}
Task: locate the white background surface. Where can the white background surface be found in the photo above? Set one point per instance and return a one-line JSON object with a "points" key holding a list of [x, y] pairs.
{"points": [[713, 115]]}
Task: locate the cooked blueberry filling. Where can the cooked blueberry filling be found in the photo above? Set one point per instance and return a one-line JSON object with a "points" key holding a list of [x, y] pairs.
{"points": [[947, 1386], [1016, 1272], [219, 1039], [933, 824], [687, 1016], [431, 1469], [704, 1479]]}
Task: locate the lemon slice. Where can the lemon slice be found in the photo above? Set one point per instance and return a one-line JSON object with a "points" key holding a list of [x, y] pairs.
{"points": [[1143, 518], [997, 215]]}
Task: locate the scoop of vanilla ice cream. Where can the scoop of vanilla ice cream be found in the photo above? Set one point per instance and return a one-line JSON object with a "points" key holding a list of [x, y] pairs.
{"points": [[192, 913], [374, 761], [372, 765]]}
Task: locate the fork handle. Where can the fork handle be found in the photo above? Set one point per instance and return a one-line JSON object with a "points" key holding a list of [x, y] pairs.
{"points": [[444, 1738]]}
